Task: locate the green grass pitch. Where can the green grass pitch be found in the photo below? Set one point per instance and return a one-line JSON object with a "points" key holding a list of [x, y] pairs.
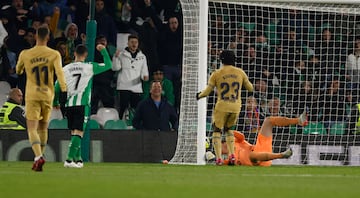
{"points": [[158, 180]]}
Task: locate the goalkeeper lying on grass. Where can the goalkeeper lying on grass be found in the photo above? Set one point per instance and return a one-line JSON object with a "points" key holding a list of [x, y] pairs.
{"points": [[261, 153]]}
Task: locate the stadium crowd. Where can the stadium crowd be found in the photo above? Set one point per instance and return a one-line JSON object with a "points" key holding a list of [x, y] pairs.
{"points": [[154, 24], [294, 58]]}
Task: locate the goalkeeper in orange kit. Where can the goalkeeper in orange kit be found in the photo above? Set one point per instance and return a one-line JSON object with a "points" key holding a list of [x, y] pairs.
{"points": [[261, 153]]}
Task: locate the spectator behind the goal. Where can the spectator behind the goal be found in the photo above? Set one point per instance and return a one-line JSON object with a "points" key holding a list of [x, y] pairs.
{"points": [[170, 48], [61, 48], [155, 112], [103, 90], [332, 103], [353, 65], [71, 38], [305, 97], [261, 43], [250, 118], [105, 23], [332, 54], [294, 19], [132, 69], [293, 75], [8, 63], [228, 81], [16, 15], [262, 92], [121, 13], [239, 41], [167, 86], [274, 107], [315, 72], [81, 13], [213, 58], [251, 62], [328, 47], [291, 44], [144, 13], [219, 31]]}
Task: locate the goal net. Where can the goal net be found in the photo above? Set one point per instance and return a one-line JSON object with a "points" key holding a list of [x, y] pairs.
{"points": [[299, 56]]}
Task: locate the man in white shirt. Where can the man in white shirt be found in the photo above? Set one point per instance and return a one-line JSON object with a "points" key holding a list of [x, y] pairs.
{"points": [[132, 66], [353, 64]]}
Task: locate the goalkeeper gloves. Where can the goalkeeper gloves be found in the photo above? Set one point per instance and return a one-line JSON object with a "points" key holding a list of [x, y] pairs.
{"points": [[198, 95]]}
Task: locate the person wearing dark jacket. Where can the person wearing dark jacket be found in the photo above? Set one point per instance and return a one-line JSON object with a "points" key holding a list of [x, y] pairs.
{"points": [[155, 113], [167, 86], [12, 115], [102, 89], [170, 48], [105, 23]]}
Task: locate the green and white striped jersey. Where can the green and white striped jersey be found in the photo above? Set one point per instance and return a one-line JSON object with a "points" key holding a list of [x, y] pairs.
{"points": [[79, 76]]}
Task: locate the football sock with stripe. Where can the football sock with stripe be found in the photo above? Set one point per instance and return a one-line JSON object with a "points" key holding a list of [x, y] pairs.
{"points": [[74, 147]]}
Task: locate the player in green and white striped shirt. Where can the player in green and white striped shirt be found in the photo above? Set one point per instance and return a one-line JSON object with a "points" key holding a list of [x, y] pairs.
{"points": [[79, 75]]}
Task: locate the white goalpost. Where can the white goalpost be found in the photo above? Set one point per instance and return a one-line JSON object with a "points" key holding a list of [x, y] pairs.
{"points": [[299, 55], [191, 137]]}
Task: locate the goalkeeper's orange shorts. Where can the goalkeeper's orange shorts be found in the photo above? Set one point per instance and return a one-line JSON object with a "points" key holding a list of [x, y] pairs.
{"points": [[263, 144]]}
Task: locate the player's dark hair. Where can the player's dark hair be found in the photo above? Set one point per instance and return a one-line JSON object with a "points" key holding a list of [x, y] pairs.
{"points": [[42, 32], [30, 30], [133, 36], [227, 57], [155, 81], [81, 49], [173, 15], [100, 37]]}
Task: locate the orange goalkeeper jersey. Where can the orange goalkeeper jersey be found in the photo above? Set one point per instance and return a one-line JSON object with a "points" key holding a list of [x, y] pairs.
{"points": [[242, 150]]}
